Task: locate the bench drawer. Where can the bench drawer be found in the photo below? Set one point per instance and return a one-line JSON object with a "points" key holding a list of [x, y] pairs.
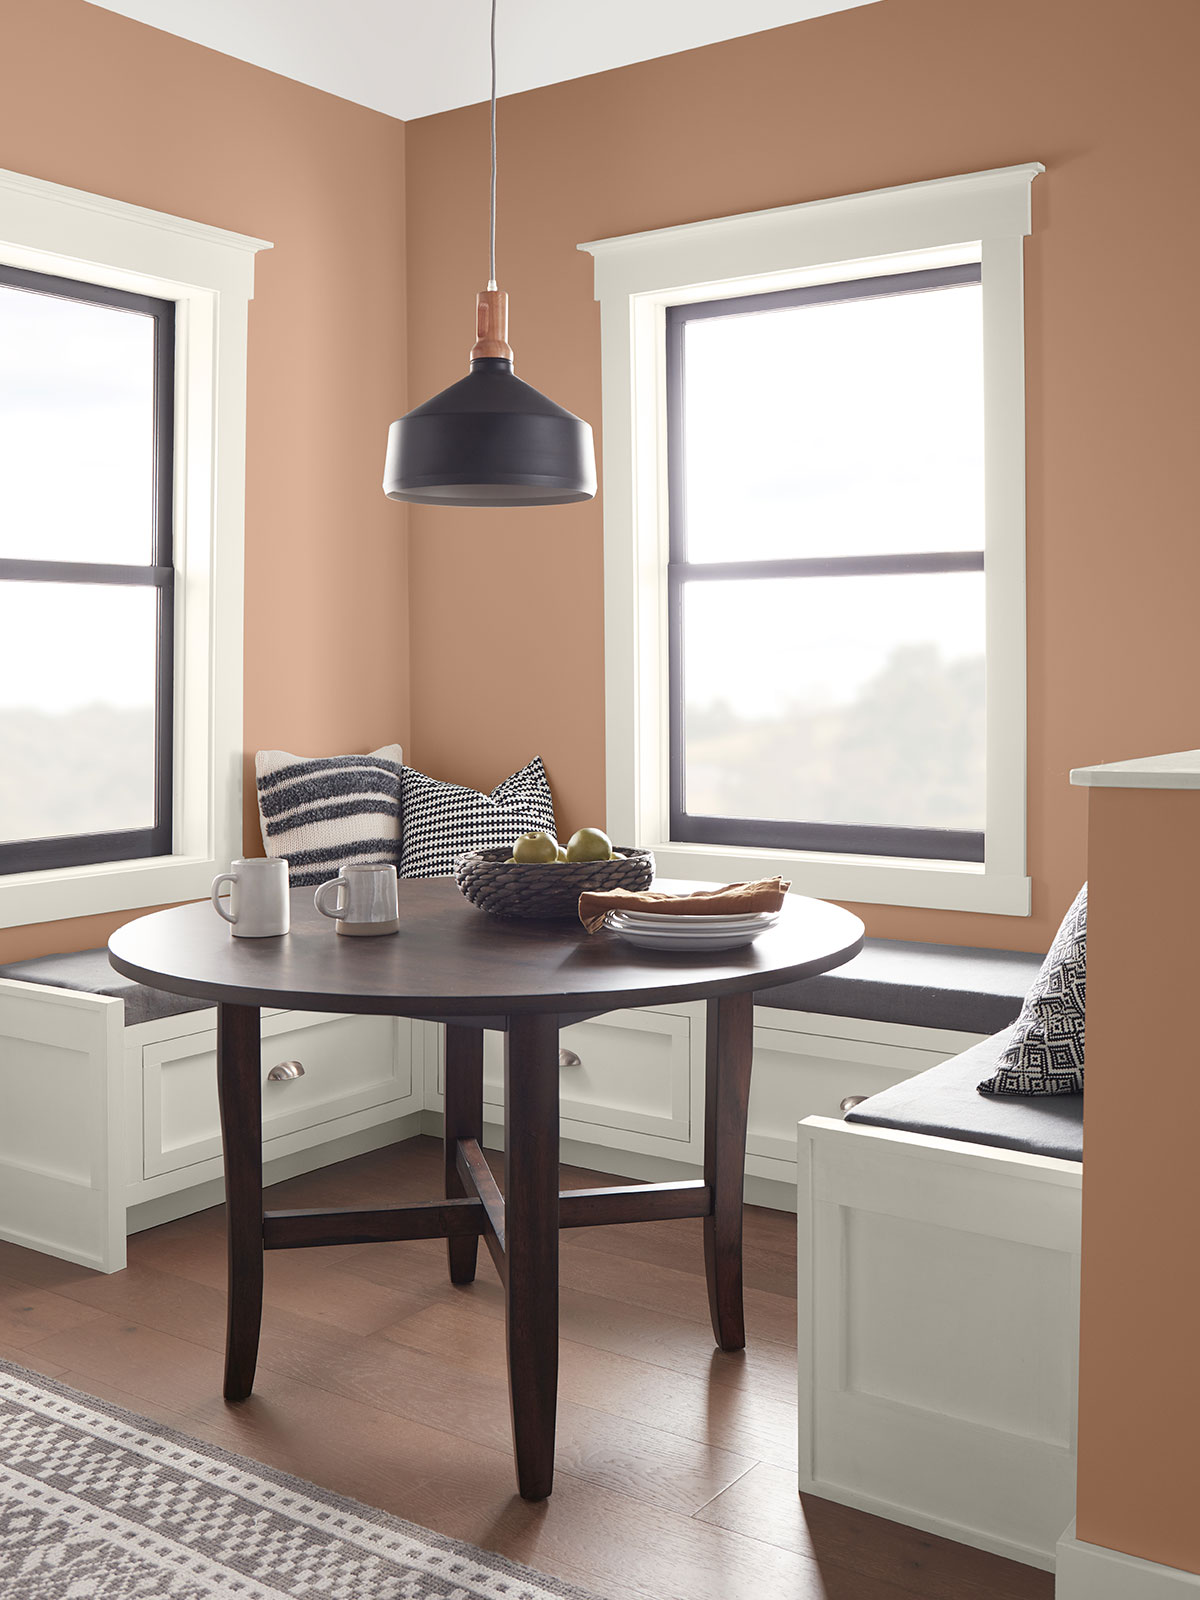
{"points": [[351, 1064], [633, 1087], [798, 1075]]}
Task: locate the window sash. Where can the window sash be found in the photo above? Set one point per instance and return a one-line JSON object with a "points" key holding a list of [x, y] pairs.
{"points": [[934, 844], [31, 855]]}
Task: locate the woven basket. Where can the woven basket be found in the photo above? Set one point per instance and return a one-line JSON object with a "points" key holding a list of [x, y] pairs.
{"points": [[524, 889]]}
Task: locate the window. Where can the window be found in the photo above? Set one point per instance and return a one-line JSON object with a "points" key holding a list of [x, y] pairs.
{"points": [[122, 452], [825, 582], [814, 543], [86, 573]]}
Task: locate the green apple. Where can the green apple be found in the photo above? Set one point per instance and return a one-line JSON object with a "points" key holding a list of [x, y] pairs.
{"points": [[562, 852], [536, 849], [589, 844]]}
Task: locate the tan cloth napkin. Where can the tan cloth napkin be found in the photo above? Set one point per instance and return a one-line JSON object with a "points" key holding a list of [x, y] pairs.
{"points": [[766, 894]]}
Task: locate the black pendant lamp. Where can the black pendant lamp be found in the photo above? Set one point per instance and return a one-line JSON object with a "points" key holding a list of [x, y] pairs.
{"points": [[489, 439]]}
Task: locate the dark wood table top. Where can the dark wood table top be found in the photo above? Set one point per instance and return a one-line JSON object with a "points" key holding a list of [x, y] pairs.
{"points": [[451, 960]]}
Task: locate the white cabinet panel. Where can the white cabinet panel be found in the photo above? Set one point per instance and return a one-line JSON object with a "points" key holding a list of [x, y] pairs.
{"points": [[60, 1171], [905, 1348], [939, 1324], [350, 1064], [798, 1075], [638, 1085]]}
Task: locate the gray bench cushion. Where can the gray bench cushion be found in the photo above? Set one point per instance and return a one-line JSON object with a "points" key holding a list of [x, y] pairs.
{"points": [[928, 985], [944, 1101], [89, 971]]}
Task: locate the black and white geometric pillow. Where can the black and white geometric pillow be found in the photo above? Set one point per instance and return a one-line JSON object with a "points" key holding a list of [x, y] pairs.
{"points": [[328, 812], [442, 819], [1046, 1053]]}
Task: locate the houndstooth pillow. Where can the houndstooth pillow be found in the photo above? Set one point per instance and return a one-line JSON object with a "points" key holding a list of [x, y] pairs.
{"points": [[328, 812], [442, 819], [1046, 1052]]}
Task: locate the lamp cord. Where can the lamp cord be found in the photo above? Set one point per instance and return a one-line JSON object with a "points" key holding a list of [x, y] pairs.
{"points": [[492, 228]]}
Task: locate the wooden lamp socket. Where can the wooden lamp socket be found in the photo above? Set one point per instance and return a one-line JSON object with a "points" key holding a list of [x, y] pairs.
{"points": [[491, 326]]}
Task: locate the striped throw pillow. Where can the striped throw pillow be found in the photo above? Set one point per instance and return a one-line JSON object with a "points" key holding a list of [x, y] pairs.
{"points": [[327, 812]]}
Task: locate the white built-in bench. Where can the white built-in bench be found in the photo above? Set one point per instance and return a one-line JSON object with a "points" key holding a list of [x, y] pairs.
{"points": [[939, 1316], [110, 1089], [110, 1113]]}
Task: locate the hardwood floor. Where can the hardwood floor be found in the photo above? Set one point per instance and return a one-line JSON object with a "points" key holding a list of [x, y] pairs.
{"points": [[381, 1380]]}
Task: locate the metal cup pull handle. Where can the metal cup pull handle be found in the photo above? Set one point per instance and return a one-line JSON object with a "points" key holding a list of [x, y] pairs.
{"points": [[852, 1100], [568, 1058], [285, 1072]]}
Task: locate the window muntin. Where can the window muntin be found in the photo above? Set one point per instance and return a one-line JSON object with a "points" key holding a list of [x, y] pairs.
{"points": [[826, 618], [86, 572]]}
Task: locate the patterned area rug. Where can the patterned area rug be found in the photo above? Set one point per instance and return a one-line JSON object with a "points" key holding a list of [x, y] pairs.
{"points": [[99, 1504]]}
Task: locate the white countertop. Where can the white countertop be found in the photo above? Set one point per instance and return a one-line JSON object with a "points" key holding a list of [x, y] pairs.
{"points": [[1178, 771]]}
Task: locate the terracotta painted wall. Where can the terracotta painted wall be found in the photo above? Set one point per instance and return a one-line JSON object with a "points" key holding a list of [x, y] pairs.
{"points": [[504, 633], [507, 616], [90, 99], [1139, 1382]]}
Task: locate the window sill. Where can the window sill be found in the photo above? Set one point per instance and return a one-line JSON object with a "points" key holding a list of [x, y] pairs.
{"points": [[869, 880], [59, 892]]}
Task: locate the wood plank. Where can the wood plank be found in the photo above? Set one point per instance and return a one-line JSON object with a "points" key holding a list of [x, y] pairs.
{"points": [[165, 1368], [768, 1247], [313, 1283], [663, 1338], [21, 1265], [334, 1297], [27, 1356], [673, 1289], [29, 1315], [765, 1504], [746, 1422]]}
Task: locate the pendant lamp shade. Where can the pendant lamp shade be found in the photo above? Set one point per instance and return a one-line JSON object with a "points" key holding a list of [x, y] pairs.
{"points": [[490, 439]]}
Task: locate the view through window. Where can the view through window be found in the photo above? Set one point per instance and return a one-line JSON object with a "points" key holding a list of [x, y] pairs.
{"points": [[86, 575], [826, 580]]}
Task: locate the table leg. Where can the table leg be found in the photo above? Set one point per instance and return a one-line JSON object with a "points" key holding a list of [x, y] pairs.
{"points": [[463, 1120], [239, 1090], [726, 1099], [531, 1244]]}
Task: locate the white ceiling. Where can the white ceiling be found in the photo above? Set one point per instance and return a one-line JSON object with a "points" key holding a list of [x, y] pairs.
{"points": [[411, 58]]}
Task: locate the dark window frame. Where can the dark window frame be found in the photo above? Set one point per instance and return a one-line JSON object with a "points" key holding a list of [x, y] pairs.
{"points": [[940, 844], [32, 855]]}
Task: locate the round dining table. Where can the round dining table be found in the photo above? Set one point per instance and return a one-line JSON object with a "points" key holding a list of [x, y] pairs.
{"points": [[455, 965]]}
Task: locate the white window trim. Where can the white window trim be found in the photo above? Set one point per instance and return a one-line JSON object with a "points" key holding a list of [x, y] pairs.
{"points": [[982, 216], [209, 274]]}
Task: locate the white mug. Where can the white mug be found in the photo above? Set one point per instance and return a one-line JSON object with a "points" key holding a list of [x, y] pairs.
{"points": [[365, 900], [258, 897]]}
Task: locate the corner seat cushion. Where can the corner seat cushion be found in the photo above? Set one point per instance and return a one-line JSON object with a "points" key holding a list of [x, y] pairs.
{"points": [[927, 985], [89, 972], [944, 1102]]}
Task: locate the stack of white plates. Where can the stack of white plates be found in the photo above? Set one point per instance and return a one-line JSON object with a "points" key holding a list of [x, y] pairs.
{"points": [[656, 930]]}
